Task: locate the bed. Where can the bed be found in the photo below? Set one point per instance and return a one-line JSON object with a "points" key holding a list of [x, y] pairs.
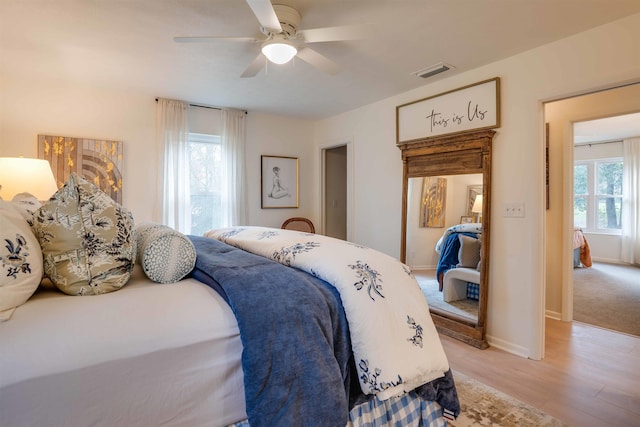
{"points": [[200, 350], [70, 362], [458, 268]]}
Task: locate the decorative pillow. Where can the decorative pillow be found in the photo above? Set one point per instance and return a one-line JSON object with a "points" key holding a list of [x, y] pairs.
{"points": [[469, 253], [27, 205], [166, 255], [20, 260], [87, 239]]}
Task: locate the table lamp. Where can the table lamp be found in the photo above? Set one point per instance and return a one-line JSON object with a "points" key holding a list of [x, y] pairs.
{"points": [[477, 207], [23, 175]]}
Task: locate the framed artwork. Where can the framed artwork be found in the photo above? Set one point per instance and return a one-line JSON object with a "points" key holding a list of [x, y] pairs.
{"points": [[433, 202], [96, 160], [279, 182], [466, 219], [472, 107], [472, 192]]}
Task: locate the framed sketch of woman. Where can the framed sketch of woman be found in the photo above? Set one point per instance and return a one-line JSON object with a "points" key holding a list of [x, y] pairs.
{"points": [[279, 182]]}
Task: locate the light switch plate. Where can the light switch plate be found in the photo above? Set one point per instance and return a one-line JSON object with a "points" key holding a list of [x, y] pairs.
{"points": [[513, 210]]}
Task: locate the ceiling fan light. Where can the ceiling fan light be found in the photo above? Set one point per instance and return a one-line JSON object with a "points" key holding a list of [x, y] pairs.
{"points": [[279, 52]]}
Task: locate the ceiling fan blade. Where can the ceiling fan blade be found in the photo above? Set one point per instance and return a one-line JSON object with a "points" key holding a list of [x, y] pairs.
{"points": [[263, 9], [255, 66], [319, 61], [206, 39], [333, 34]]}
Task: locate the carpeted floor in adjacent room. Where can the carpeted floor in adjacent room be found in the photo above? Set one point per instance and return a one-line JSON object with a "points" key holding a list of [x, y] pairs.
{"points": [[608, 296]]}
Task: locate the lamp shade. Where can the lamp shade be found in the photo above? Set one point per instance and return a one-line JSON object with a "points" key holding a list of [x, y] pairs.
{"points": [[279, 51], [477, 204], [22, 175]]}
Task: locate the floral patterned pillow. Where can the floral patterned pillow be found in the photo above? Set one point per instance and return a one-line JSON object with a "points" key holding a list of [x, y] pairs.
{"points": [[20, 260], [87, 239]]}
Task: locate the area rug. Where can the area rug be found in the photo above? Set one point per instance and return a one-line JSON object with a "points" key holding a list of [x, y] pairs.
{"points": [[466, 308], [608, 296], [482, 405]]}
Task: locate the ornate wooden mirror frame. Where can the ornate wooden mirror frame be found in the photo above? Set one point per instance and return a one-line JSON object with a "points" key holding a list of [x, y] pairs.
{"points": [[464, 153]]}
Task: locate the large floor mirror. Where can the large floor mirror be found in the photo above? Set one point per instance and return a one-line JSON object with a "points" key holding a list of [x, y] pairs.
{"points": [[446, 224]]}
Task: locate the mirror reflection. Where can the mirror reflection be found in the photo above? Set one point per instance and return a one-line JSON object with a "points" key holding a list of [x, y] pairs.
{"points": [[443, 240]]}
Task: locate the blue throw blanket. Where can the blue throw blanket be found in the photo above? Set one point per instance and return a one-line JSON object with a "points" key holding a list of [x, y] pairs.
{"points": [[297, 360]]}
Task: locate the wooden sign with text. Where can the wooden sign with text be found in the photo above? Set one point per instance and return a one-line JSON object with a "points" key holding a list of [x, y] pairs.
{"points": [[472, 107]]}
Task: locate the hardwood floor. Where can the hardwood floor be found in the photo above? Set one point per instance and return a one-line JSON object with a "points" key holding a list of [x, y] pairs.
{"points": [[588, 377]]}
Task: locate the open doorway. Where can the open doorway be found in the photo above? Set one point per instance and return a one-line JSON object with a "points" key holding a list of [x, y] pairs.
{"points": [[561, 116], [335, 192], [606, 289]]}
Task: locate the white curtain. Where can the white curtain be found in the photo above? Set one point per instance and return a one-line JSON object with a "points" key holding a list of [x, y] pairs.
{"points": [[172, 132], [631, 201], [233, 154]]}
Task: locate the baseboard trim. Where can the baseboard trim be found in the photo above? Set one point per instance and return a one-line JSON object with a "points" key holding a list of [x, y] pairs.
{"points": [[423, 267], [555, 315], [607, 260], [508, 347]]}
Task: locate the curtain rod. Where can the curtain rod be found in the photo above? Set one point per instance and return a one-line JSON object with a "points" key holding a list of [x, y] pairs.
{"points": [[206, 106], [597, 143]]}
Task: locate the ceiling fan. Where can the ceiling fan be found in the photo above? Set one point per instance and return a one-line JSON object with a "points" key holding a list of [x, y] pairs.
{"points": [[283, 40]]}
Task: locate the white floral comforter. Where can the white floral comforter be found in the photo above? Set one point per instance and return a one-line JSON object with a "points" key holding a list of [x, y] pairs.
{"points": [[395, 343]]}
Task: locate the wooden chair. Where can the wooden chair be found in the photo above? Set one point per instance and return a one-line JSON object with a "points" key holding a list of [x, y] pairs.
{"points": [[299, 224]]}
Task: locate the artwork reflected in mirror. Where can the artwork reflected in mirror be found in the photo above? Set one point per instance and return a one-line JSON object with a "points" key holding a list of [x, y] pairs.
{"points": [[433, 202]]}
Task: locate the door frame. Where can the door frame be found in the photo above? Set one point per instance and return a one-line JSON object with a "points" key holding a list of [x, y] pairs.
{"points": [[567, 286], [348, 142]]}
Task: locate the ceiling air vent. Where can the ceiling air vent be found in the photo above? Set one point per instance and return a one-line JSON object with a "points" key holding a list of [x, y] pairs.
{"points": [[433, 70]]}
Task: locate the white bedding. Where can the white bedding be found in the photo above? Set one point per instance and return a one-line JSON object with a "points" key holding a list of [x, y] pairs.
{"points": [[176, 347], [382, 301]]}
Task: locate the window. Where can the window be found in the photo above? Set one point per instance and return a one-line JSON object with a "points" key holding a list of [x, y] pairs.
{"points": [[597, 195], [205, 182]]}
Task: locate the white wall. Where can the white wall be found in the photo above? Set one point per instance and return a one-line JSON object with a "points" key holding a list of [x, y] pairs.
{"points": [[30, 107], [601, 57], [280, 136]]}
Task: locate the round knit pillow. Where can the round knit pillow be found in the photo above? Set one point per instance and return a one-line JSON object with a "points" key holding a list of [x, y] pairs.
{"points": [[165, 254]]}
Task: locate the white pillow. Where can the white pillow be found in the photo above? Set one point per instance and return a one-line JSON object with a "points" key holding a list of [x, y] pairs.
{"points": [[166, 255], [20, 260], [27, 205]]}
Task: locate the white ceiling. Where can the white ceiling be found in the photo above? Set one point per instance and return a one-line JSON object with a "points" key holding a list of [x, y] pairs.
{"points": [[614, 128], [128, 45]]}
